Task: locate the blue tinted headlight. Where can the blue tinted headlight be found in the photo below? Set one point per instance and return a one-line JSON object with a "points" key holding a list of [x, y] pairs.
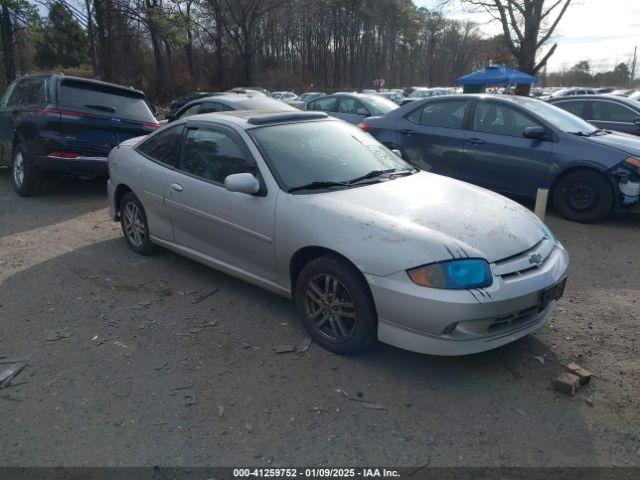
{"points": [[549, 234], [453, 274]]}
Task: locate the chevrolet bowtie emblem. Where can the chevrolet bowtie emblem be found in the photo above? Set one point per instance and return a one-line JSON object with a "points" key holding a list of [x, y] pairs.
{"points": [[535, 259]]}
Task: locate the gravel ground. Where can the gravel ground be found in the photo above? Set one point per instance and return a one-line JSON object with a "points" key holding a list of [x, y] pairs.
{"points": [[163, 361]]}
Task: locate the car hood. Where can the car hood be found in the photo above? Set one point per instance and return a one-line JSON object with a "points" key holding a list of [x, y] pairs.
{"points": [[418, 219], [621, 141]]}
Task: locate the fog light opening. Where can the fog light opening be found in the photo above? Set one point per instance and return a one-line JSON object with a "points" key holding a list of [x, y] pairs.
{"points": [[450, 328]]}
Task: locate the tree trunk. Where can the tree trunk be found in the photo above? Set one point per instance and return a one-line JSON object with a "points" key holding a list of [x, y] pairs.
{"points": [[6, 27]]}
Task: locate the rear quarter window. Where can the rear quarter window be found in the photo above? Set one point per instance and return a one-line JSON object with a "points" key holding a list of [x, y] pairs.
{"points": [[105, 100]]}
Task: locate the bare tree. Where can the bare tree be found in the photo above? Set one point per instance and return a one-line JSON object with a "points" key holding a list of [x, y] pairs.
{"points": [[527, 27]]}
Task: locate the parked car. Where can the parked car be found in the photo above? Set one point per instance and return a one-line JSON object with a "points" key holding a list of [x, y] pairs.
{"points": [[352, 107], [567, 92], [303, 99], [316, 210], [623, 92], [186, 98], [603, 90], [605, 111], [515, 145], [232, 101], [284, 96], [254, 92], [395, 97], [55, 123], [421, 92]]}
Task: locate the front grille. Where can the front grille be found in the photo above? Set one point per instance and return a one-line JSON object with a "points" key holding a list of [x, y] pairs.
{"points": [[525, 262]]}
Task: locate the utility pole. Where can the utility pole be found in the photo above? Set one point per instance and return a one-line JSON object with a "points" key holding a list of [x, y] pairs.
{"points": [[633, 67]]}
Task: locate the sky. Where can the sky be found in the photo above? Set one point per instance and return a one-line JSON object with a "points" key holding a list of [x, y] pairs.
{"points": [[603, 32]]}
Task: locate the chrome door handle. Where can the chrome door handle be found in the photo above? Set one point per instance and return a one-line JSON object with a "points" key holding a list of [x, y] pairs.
{"points": [[407, 132], [177, 187], [475, 141]]}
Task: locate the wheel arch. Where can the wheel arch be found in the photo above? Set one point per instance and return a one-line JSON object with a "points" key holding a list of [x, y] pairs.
{"points": [[307, 254], [581, 168], [120, 192]]}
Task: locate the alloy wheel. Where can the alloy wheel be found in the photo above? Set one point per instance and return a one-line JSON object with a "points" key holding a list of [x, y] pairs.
{"points": [[330, 307], [18, 169], [133, 224]]}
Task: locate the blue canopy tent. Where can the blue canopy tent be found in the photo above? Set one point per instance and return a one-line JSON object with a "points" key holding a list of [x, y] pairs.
{"points": [[492, 75]]}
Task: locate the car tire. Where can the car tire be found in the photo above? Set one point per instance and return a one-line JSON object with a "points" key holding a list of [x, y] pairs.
{"points": [[135, 228], [583, 196], [335, 305], [26, 177]]}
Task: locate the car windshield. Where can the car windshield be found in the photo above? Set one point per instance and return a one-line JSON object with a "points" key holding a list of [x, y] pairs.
{"points": [[421, 93], [557, 117], [323, 151], [379, 105]]}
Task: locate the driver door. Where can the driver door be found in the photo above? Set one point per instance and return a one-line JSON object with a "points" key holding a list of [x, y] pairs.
{"points": [[497, 156], [231, 227], [351, 110]]}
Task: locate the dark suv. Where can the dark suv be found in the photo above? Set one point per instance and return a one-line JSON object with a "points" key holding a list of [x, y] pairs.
{"points": [[55, 123]]}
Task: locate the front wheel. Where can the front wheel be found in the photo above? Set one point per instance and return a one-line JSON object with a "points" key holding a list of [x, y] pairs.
{"points": [[27, 178], [583, 196], [335, 305], [133, 220]]}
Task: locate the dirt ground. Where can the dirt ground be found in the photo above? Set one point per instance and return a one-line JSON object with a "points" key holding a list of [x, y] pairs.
{"points": [[163, 361]]}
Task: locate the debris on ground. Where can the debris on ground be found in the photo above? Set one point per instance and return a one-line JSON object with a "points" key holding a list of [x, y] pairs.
{"points": [[7, 375], [512, 371], [53, 335], [249, 427], [195, 330], [368, 404], [7, 360], [190, 399], [284, 348], [205, 296], [140, 305], [583, 374], [540, 359], [567, 383], [164, 366], [304, 345], [342, 392], [120, 344], [189, 384], [220, 410]]}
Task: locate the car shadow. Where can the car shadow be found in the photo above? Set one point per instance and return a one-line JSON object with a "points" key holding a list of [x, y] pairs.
{"points": [[62, 198], [159, 344]]}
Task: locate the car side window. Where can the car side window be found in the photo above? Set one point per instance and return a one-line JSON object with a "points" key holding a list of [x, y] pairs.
{"points": [[164, 146], [501, 120], [29, 91], [352, 107], [578, 108], [192, 110], [612, 112], [448, 114], [213, 155], [327, 104], [210, 107], [4, 101]]}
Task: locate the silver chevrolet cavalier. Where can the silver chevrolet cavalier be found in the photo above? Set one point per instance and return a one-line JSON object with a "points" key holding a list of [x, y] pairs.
{"points": [[317, 210]]}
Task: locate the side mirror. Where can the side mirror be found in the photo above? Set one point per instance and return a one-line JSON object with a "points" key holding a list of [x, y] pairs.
{"points": [[397, 152], [242, 183], [170, 118], [535, 133]]}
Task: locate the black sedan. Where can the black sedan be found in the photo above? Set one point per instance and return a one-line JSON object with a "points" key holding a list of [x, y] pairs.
{"points": [[231, 101], [612, 112]]}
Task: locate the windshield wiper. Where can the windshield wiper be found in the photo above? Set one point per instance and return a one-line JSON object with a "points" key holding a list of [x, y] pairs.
{"points": [[103, 108], [318, 185], [371, 174]]}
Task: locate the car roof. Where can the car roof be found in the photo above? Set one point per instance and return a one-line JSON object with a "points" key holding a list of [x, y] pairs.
{"points": [[80, 79], [605, 96], [247, 119]]}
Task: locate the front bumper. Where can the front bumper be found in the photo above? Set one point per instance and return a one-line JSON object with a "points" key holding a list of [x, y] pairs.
{"points": [[459, 322], [80, 166]]}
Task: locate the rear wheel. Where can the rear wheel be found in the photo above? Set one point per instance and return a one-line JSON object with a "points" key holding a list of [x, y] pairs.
{"points": [[335, 305], [27, 178], [583, 196], [133, 220]]}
